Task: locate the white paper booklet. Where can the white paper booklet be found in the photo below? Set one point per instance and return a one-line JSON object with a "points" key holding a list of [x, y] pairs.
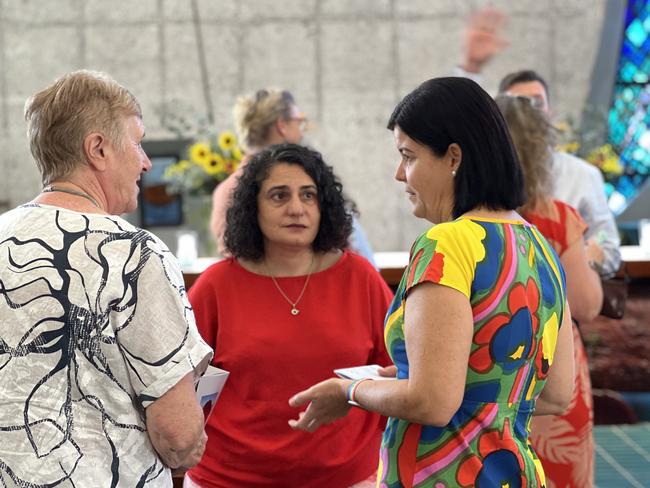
{"points": [[210, 386], [360, 372]]}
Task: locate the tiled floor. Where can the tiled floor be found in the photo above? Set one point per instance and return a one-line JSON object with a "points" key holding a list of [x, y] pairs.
{"points": [[622, 456]]}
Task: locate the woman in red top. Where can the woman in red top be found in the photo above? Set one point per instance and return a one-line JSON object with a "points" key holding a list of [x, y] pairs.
{"points": [[564, 443], [289, 307]]}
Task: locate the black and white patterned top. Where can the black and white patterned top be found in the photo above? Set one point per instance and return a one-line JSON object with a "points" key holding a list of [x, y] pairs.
{"points": [[94, 326]]}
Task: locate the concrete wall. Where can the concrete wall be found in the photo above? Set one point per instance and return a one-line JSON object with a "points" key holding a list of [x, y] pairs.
{"points": [[348, 62]]}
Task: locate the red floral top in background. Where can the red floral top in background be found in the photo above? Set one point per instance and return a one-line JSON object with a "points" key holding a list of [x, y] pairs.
{"points": [[564, 443]]}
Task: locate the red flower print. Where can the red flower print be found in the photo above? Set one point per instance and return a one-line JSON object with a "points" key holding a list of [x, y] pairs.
{"points": [[435, 268]]}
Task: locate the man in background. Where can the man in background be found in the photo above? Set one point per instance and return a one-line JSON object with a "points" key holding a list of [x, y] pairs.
{"points": [[576, 182]]}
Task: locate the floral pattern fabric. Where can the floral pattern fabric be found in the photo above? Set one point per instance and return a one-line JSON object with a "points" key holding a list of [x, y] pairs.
{"points": [[564, 443], [516, 287]]}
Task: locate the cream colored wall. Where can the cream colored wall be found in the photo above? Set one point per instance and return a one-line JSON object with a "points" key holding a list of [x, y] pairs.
{"points": [[347, 62]]}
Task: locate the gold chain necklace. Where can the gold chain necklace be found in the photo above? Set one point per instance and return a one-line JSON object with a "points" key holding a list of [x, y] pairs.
{"points": [[294, 305]]}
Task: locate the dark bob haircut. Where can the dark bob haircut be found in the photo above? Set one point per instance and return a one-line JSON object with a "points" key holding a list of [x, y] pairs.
{"points": [[243, 236], [442, 111], [523, 76]]}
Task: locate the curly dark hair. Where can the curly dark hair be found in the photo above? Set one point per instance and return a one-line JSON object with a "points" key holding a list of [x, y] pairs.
{"points": [[243, 237]]}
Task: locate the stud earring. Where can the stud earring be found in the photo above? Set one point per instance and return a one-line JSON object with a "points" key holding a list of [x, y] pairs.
{"points": [[453, 172]]}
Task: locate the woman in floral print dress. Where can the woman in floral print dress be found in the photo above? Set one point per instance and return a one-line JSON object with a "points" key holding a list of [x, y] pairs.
{"points": [[479, 329]]}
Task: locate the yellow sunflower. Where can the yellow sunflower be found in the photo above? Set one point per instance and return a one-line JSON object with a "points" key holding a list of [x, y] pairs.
{"points": [[606, 159], [236, 154], [176, 169], [215, 164], [227, 141], [170, 172], [200, 153], [563, 126], [569, 147]]}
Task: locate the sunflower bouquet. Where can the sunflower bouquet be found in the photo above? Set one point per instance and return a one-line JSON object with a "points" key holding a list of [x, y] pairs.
{"points": [[207, 163], [587, 141]]}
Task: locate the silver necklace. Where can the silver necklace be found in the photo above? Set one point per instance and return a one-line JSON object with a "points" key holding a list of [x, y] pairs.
{"points": [[294, 305], [70, 191]]}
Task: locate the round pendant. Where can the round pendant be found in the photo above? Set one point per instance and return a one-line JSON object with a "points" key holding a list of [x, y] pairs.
{"points": [[295, 311]]}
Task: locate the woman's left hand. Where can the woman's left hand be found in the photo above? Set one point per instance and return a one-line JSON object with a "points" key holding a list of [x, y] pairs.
{"points": [[327, 403]]}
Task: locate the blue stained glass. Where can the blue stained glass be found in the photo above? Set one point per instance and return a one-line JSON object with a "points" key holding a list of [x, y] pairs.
{"points": [[628, 95], [636, 33], [627, 72], [640, 77], [629, 117]]}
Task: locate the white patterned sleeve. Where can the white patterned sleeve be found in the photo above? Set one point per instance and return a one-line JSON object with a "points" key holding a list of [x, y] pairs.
{"points": [[157, 335]]}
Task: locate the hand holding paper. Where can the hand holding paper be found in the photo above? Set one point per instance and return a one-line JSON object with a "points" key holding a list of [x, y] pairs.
{"points": [[210, 386], [360, 372]]}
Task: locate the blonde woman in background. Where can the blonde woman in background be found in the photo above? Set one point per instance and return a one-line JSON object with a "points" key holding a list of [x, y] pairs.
{"points": [[268, 117], [564, 443], [265, 118]]}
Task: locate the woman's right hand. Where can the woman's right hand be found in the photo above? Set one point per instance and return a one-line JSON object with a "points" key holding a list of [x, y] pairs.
{"points": [[326, 402], [483, 38]]}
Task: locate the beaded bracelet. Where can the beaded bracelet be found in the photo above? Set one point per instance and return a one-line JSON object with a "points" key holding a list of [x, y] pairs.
{"points": [[352, 390]]}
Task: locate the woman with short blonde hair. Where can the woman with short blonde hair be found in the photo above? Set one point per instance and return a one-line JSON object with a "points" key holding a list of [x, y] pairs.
{"points": [[99, 104], [255, 116], [99, 346]]}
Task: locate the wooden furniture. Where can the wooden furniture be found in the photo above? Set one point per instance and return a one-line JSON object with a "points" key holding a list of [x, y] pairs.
{"points": [[391, 265], [637, 262]]}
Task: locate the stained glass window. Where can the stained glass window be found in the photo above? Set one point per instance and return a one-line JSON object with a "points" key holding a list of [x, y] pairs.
{"points": [[629, 119]]}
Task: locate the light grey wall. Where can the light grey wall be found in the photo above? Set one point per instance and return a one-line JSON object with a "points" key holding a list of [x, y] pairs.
{"points": [[348, 62]]}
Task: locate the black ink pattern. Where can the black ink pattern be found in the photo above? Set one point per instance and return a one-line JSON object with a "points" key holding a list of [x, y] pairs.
{"points": [[74, 333]]}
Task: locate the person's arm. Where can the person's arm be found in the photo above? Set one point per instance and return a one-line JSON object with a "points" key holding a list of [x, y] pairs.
{"points": [[165, 354], [380, 298], [558, 390], [221, 198], [584, 291], [175, 425], [359, 242], [482, 39], [205, 306], [602, 226], [438, 327]]}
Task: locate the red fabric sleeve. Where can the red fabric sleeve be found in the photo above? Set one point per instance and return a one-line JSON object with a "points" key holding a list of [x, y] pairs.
{"points": [[574, 224], [380, 298], [203, 299], [559, 222]]}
